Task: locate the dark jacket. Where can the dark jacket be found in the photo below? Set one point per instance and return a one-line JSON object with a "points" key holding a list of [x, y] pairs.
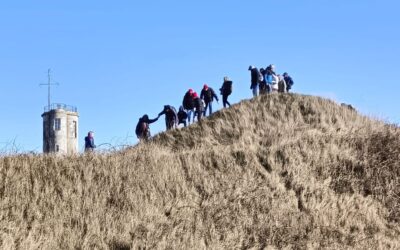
{"points": [[208, 95], [170, 113], [254, 77], [198, 104], [289, 82], [182, 116], [143, 122], [89, 142], [226, 88], [187, 102]]}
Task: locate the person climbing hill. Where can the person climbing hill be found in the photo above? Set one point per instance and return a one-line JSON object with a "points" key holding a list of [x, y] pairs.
{"points": [[226, 90], [143, 129], [199, 106], [188, 104], [182, 116], [171, 117], [208, 95]]}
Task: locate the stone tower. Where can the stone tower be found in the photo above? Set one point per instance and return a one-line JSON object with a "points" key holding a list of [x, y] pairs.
{"points": [[60, 129]]}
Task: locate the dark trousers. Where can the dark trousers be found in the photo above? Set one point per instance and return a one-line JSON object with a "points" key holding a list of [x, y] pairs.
{"points": [[209, 107], [169, 123], [183, 122], [199, 114], [225, 101]]}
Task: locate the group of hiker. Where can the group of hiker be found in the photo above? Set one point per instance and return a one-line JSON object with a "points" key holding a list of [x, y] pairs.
{"points": [[194, 106], [267, 81]]}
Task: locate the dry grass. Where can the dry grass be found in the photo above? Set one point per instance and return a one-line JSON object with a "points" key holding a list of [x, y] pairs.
{"points": [[279, 171]]}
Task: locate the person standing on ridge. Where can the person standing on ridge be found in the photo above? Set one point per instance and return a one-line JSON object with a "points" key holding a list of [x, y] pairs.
{"points": [[208, 95], [271, 78], [263, 84], [288, 80], [89, 142], [281, 84], [188, 104], [171, 118], [226, 90], [143, 129], [182, 116], [255, 78]]}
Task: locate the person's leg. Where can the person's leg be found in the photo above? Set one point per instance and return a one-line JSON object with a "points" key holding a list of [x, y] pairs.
{"points": [[254, 88], [205, 108], [194, 114], [184, 123], [224, 100], [189, 112], [210, 108]]}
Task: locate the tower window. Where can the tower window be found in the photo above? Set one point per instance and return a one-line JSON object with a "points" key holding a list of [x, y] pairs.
{"points": [[57, 124], [74, 130]]}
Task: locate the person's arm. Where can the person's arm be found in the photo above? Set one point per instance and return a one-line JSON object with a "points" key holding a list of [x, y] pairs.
{"points": [[202, 93], [215, 96], [152, 120], [161, 113]]}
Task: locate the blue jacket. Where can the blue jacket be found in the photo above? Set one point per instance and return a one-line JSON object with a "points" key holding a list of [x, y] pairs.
{"points": [[89, 142]]}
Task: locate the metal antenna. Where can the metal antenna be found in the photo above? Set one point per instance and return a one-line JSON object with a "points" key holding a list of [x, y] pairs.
{"points": [[49, 84]]}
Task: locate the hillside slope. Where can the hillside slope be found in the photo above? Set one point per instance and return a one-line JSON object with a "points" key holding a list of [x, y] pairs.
{"points": [[277, 171]]}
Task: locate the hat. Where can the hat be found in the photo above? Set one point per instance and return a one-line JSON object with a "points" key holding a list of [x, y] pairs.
{"points": [[190, 91], [205, 86], [251, 67], [195, 95]]}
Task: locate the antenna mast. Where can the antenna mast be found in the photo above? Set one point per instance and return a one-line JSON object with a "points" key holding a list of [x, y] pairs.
{"points": [[49, 84]]}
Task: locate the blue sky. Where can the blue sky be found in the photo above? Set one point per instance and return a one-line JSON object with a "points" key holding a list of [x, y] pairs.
{"points": [[117, 60]]}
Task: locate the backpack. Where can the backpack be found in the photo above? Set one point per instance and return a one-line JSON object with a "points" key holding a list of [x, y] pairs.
{"points": [[226, 88], [289, 82]]}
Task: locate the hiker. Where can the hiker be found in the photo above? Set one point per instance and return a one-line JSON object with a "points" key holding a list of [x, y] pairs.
{"points": [[226, 90], [143, 129], [288, 80], [208, 95], [182, 116], [255, 79], [281, 84], [271, 78], [188, 104], [89, 142], [171, 118], [199, 106], [263, 84]]}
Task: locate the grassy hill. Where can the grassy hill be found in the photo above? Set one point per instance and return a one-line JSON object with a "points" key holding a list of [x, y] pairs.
{"points": [[277, 171]]}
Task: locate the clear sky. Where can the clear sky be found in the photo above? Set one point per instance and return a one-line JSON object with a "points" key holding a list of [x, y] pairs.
{"points": [[117, 60]]}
